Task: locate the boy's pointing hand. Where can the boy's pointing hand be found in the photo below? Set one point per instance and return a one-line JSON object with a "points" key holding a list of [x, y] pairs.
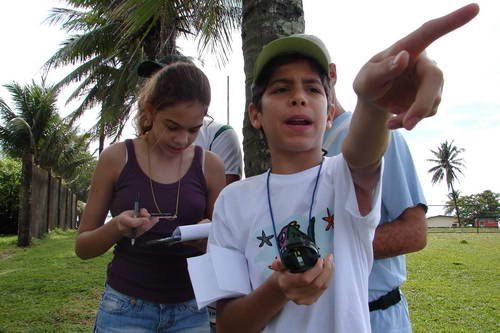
{"points": [[402, 80]]}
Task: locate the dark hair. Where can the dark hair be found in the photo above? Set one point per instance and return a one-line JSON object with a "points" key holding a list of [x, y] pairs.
{"points": [[259, 87], [174, 83]]}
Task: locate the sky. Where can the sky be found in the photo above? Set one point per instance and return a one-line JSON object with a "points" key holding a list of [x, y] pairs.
{"points": [[353, 31]]}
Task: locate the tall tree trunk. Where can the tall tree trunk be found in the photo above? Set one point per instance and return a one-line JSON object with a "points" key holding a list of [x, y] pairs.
{"points": [[161, 40], [49, 186], [23, 233], [263, 21], [102, 137], [454, 195]]}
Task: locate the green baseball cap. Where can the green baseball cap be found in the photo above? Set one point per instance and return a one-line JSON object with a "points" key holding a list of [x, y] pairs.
{"points": [[307, 45]]}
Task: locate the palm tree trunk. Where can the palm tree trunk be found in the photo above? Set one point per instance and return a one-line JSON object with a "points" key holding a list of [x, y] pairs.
{"points": [[455, 197], [23, 233], [263, 21], [102, 137]]}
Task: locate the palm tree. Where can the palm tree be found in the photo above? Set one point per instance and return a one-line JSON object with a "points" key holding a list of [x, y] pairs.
{"points": [[263, 21], [112, 37], [23, 130], [448, 165]]}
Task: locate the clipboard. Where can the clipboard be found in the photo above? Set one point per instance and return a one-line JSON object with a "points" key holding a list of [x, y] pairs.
{"points": [[171, 240], [182, 234]]}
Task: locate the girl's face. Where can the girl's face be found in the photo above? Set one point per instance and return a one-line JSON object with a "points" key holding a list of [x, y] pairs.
{"points": [[175, 127]]}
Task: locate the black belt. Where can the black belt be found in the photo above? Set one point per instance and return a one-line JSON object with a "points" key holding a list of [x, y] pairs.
{"points": [[385, 301]]}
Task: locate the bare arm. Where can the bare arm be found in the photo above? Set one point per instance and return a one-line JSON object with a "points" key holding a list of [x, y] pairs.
{"points": [[406, 234], [251, 313], [94, 237], [363, 148], [214, 175]]}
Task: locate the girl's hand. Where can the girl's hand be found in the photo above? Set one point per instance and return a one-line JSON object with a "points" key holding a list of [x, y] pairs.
{"points": [[126, 222]]}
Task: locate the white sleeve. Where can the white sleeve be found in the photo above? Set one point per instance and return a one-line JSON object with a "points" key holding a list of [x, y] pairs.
{"points": [[223, 271], [353, 245], [373, 217], [227, 147]]}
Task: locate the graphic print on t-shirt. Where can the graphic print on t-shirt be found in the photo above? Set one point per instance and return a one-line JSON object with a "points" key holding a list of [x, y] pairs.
{"points": [[329, 219], [265, 239], [320, 230]]}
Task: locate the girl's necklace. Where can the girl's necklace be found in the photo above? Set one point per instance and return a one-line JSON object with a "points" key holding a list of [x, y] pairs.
{"points": [[168, 216]]}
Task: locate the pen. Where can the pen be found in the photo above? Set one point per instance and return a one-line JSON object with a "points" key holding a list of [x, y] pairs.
{"points": [[136, 214]]}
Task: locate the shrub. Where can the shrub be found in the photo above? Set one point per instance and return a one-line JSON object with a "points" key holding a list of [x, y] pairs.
{"points": [[10, 182]]}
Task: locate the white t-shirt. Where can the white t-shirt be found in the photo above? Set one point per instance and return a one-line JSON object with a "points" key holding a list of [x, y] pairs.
{"points": [[226, 145], [242, 222]]}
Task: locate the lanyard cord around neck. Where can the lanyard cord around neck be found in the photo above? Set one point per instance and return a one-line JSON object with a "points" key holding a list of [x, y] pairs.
{"points": [[271, 207]]}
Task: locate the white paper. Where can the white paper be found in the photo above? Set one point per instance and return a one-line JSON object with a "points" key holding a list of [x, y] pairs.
{"points": [[193, 231], [221, 273]]}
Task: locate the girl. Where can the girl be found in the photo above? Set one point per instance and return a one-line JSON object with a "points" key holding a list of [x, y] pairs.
{"points": [[159, 174]]}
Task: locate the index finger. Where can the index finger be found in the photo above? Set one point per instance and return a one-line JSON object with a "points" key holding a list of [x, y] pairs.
{"points": [[420, 39]]}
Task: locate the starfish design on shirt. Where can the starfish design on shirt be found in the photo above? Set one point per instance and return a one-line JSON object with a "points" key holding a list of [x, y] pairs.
{"points": [[264, 239], [329, 219]]}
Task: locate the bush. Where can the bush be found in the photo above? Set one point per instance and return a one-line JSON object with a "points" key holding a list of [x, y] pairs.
{"points": [[10, 183]]}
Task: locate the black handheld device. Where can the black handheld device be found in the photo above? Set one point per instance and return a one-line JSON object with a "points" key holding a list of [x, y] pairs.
{"points": [[298, 251]]}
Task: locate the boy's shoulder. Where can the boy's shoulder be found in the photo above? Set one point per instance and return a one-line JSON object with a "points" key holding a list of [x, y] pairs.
{"points": [[245, 186]]}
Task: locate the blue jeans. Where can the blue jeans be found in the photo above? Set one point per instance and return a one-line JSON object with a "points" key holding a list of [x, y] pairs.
{"points": [[122, 313]]}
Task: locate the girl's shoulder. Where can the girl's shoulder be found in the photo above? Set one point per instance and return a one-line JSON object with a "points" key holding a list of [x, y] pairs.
{"points": [[114, 152], [114, 157]]}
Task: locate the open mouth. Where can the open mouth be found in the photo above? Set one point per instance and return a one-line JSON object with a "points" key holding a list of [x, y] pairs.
{"points": [[298, 121]]}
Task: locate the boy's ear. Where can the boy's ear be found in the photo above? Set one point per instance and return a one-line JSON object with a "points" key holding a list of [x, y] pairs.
{"points": [[333, 73], [330, 115], [254, 115]]}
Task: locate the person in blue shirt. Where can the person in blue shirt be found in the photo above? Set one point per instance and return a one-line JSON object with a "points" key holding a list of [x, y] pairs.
{"points": [[402, 227]]}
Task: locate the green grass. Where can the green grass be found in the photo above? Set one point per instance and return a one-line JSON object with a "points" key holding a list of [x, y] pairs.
{"points": [[46, 288], [454, 285]]}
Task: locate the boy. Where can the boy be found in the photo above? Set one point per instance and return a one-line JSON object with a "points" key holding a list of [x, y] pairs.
{"points": [[334, 202]]}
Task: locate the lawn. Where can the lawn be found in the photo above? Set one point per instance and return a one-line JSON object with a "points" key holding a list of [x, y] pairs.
{"points": [[46, 288], [454, 285]]}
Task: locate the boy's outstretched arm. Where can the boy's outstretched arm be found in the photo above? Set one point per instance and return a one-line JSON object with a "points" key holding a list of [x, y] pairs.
{"points": [[398, 87]]}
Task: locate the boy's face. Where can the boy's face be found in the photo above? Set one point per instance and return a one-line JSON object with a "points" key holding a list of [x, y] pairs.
{"points": [[294, 109]]}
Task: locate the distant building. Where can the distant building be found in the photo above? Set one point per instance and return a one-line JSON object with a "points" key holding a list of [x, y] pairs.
{"points": [[442, 221], [487, 222]]}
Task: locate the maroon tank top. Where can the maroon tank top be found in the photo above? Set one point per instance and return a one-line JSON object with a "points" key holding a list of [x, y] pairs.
{"points": [[156, 273]]}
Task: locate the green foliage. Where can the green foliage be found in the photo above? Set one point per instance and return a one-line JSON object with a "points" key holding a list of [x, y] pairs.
{"points": [[34, 124], [26, 125], [485, 204], [448, 164], [110, 38], [10, 182]]}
